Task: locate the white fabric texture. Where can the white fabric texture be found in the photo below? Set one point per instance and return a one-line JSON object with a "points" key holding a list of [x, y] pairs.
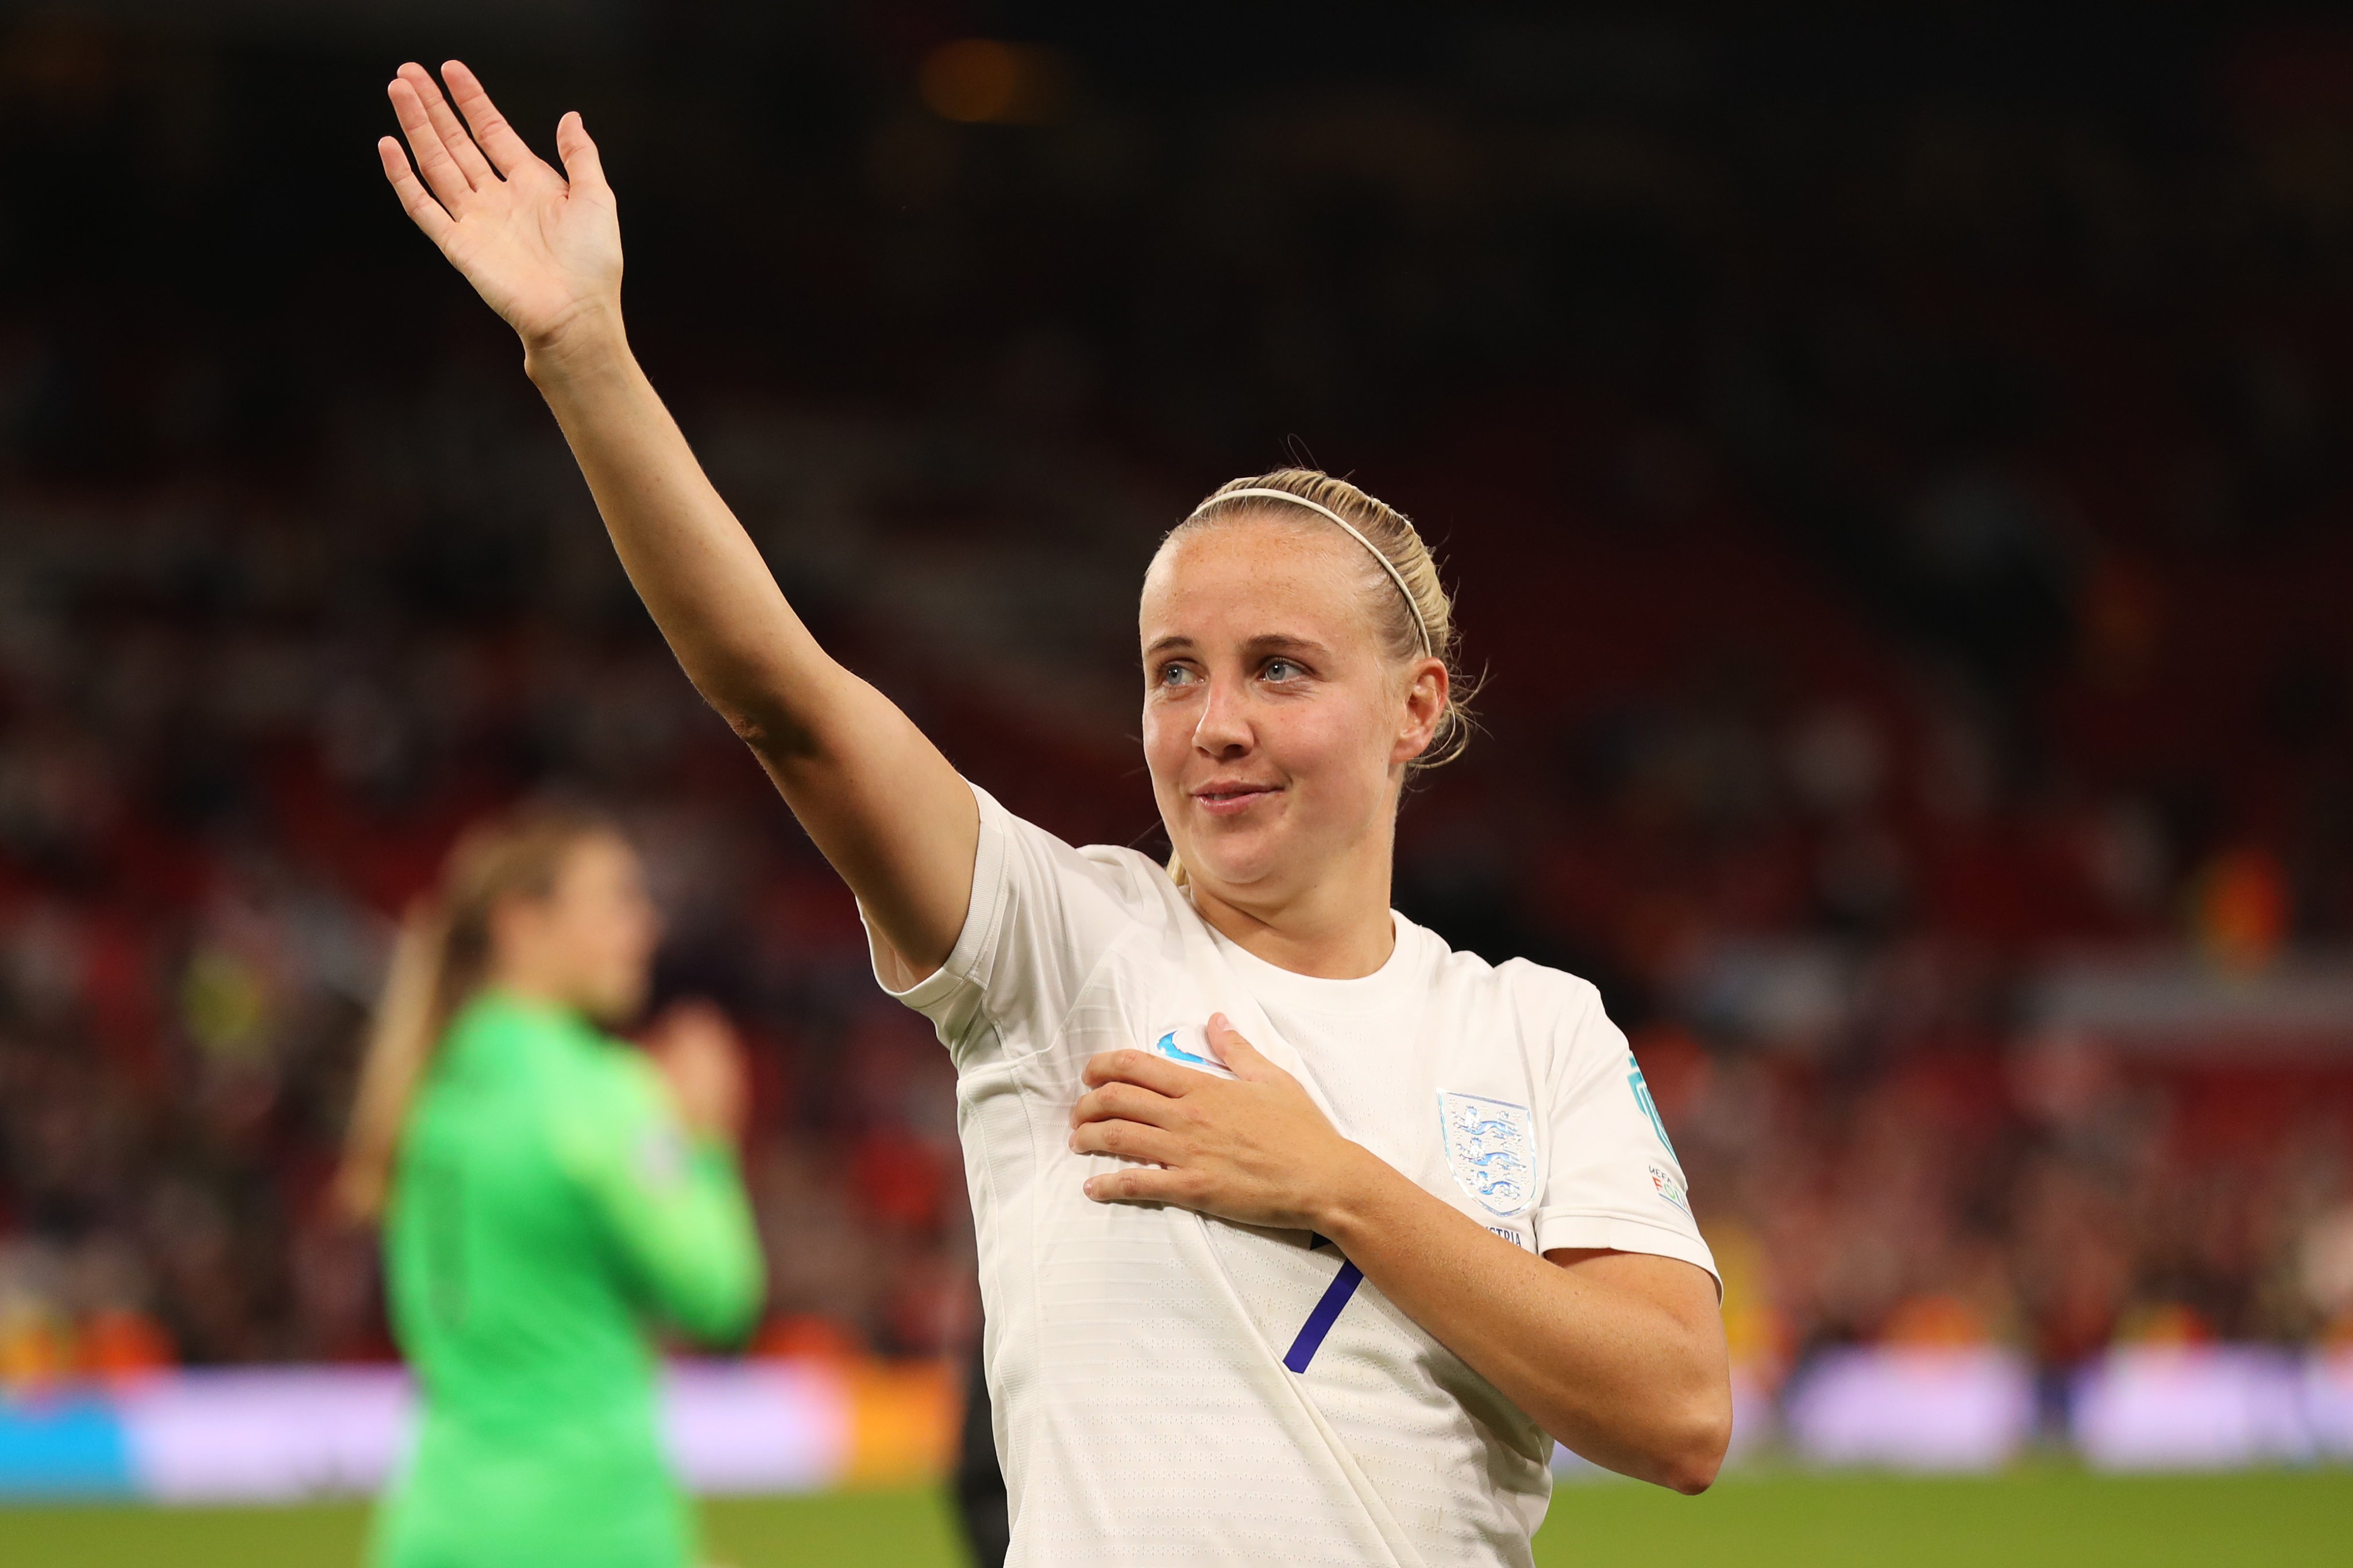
{"points": [[1136, 1353]]}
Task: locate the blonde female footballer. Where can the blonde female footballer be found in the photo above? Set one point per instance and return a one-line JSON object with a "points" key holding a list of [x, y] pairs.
{"points": [[1302, 1236]]}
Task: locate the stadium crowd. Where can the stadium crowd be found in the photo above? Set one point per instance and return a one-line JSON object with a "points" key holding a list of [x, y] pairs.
{"points": [[1910, 544]]}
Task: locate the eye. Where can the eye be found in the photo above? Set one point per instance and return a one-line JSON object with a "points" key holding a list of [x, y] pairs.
{"points": [[1175, 675], [1280, 669]]}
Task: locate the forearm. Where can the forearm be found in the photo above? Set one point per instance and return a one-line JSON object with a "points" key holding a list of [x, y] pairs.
{"points": [[690, 561], [1622, 1379], [692, 1243], [881, 803], [720, 1278]]}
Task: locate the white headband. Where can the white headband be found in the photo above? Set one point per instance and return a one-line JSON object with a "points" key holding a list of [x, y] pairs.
{"points": [[1258, 493]]}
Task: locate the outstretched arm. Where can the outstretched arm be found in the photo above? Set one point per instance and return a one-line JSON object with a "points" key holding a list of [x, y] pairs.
{"points": [[543, 250]]}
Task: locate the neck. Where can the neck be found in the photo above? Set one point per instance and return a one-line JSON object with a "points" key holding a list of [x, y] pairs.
{"points": [[526, 983], [1336, 928]]}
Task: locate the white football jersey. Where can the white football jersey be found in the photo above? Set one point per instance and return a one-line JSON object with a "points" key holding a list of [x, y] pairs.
{"points": [[1176, 1390]]}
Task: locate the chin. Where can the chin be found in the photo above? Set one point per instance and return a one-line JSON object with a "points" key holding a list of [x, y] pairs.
{"points": [[1230, 865], [615, 1008]]}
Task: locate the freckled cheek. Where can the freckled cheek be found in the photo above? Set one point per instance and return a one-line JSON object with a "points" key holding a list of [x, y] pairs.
{"points": [[1166, 738], [1308, 746], [1168, 731], [1327, 759]]}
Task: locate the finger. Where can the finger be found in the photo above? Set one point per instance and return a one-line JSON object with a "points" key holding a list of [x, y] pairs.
{"points": [[429, 215], [506, 149], [1146, 1185], [1126, 1100], [696, 1021], [1246, 1060], [449, 128], [441, 173], [582, 165], [1129, 1141], [1156, 1073]]}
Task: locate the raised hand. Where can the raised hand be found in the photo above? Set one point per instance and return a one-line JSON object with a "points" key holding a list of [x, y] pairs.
{"points": [[543, 248], [702, 1061]]}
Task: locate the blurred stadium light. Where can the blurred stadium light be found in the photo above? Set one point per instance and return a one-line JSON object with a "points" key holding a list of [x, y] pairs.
{"points": [[983, 82], [283, 1434]]}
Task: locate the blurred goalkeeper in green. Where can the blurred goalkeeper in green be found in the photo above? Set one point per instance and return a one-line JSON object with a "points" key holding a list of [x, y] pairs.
{"points": [[547, 1194]]}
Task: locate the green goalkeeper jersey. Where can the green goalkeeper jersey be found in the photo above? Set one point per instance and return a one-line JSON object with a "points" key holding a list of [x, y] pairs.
{"points": [[547, 1203]]}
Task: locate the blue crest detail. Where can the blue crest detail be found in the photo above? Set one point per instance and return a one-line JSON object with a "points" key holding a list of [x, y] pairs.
{"points": [[1491, 1147], [1650, 1107]]}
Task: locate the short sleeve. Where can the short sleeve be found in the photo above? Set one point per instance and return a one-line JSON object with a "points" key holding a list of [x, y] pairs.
{"points": [[1613, 1180], [1042, 916]]}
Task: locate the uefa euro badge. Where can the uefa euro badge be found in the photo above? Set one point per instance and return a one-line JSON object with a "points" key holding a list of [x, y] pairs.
{"points": [[1492, 1148]]}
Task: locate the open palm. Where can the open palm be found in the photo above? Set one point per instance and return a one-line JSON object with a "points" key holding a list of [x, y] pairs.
{"points": [[543, 247]]}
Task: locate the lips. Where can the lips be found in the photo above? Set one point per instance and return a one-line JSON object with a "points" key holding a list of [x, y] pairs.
{"points": [[1224, 798]]}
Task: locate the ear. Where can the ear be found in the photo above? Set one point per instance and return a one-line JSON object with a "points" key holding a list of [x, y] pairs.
{"points": [[1426, 691]]}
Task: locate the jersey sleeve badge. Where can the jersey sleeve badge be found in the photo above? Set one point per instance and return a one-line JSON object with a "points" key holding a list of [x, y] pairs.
{"points": [[1648, 1106], [1670, 1186]]}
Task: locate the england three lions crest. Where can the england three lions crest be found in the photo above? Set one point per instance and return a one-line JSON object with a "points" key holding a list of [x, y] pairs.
{"points": [[1490, 1146]]}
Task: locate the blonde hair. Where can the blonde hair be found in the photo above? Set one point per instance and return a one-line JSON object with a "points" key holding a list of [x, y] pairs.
{"points": [[440, 959], [1413, 613]]}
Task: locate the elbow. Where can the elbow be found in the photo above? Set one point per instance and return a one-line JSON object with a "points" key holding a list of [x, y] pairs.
{"points": [[1695, 1454], [1679, 1445], [739, 1315], [723, 1315], [757, 724], [1695, 1475], [721, 1326]]}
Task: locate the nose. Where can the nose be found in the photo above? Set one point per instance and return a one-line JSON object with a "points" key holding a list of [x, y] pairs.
{"points": [[1224, 730]]}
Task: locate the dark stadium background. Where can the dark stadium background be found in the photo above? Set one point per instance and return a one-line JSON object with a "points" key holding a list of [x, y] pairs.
{"points": [[1894, 469]]}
